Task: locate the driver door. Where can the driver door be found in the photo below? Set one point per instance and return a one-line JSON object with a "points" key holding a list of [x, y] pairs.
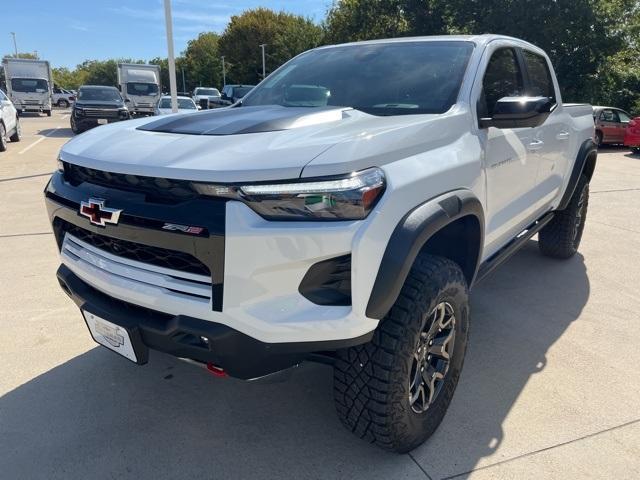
{"points": [[7, 112], [510, 160]]}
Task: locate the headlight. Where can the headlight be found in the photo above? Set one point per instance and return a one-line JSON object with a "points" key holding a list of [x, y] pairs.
{"points": [[60, 167], [343, 198], [78, 112]]}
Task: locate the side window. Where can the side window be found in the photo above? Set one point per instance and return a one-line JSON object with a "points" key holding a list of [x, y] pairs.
{"points": [[502, 78], [540, 83], [623, 116], [3, 97]]}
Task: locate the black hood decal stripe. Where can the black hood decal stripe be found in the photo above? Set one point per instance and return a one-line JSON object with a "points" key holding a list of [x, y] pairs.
{"points": [[234, 120]]}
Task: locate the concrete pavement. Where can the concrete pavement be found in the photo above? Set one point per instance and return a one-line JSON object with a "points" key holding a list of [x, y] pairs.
{"points": [[550, 386]]}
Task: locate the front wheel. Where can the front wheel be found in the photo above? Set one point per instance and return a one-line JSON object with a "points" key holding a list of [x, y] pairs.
{"points": [[74, 126], [17, 134], [599, 139], [48, 112], [395, 390]]}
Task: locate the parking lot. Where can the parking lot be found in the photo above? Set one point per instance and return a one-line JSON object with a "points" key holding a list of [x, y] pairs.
{"points": [[550, 386]]}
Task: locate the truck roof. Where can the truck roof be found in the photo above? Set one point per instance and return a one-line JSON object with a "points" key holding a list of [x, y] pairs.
{"points": [[477, 39]]}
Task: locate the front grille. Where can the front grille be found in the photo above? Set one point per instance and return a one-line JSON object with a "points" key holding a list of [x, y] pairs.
{"points": [[31, 102], [100, 113], [159, 257], [160, 190]]}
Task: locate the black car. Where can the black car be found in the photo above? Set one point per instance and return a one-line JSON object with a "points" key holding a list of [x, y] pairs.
{"points": [[97, 105], [230, 95]]}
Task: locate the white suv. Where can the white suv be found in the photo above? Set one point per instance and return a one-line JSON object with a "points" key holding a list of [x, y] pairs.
{"points": [[9, 122], [341, 213]]}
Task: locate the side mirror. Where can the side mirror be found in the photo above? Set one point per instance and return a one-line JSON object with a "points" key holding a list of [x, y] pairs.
{"points": [[519, 112], [126, 100]]}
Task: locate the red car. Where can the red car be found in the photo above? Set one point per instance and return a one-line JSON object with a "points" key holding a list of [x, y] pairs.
{"points": [[632, 135], [610, 124]]}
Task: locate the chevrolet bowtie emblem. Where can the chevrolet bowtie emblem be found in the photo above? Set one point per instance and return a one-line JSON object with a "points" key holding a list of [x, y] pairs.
{"points": [[97, 213]]}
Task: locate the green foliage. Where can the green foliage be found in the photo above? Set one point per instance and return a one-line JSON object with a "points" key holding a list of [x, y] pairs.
{"points": [[285, 36], [202, 63], [31, 56]]}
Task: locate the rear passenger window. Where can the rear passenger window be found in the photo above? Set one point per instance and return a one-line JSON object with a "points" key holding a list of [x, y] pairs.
{"points": [[503, 78], [540, 83]]}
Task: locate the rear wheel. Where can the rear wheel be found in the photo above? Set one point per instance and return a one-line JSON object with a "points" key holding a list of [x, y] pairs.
{"points": [[560, 238], [62, 103], [3, 138], [17, 134], [395, 390]]}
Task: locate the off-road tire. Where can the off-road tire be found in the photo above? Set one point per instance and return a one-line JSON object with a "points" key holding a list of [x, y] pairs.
{"points": [[17, 134], [560, 238], [371, 381], [3, 138]]}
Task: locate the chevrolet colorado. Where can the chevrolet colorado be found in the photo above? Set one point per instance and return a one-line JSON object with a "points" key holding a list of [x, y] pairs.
{"points": [[341, 212]]}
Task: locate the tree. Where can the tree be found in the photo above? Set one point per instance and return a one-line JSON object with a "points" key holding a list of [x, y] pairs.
{"points": [[31, 56], [202, 63], [284, 34]]}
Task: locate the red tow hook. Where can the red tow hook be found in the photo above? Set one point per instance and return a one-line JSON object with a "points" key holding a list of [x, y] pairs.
{"points": [[216, 371]]}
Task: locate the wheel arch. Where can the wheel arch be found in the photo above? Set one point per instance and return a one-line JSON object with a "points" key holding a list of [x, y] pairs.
{"points": [[451, 226], [585, 163]]}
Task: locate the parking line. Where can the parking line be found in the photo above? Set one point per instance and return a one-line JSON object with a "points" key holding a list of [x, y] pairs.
{"points": [[65, 116], [38, 141]]}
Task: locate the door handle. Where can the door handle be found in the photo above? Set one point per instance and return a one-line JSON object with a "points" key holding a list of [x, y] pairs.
{"points": [[563, 135], [535, 145]]}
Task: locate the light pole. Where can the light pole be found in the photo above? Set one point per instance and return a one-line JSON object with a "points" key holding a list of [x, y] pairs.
{"points": [[172, 61], [264, 70], [224, 73], [15, 46], [184, 87]]}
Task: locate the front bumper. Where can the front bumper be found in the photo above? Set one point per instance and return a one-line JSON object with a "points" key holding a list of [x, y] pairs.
{"points": [[186, 337], [91, 122]]}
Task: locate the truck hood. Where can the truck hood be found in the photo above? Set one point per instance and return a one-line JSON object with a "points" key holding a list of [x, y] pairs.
{"points": [[245, 144]]}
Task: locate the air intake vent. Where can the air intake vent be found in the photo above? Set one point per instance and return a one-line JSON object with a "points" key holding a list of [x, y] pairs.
{"points": [[328, 282]]}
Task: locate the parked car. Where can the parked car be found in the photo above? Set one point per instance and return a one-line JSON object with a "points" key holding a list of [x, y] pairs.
{"points": [[232, 93], [9, 122], [185, 105], [348, 231], [632, 135], [611, 124], [97, 105], [203, 96], [62, 98]]}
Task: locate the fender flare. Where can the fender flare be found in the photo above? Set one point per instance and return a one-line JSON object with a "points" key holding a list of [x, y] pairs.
{"points": [[588, 150], [410, 235]]}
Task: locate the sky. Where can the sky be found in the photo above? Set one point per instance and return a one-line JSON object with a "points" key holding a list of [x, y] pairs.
{"points": [[67, 32]]}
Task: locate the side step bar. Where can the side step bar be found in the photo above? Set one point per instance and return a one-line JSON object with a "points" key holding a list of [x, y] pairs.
{"points": [[512, 247]]}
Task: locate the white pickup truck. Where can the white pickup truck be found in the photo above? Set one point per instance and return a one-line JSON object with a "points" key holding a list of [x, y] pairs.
{"points": [[340, 213]]}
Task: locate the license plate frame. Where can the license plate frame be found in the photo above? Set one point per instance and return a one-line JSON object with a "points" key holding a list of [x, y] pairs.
{"points": [[114, 337]]}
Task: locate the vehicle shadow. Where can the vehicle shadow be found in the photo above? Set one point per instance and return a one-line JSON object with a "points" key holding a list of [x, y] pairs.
{"points": [[56, 132], [99, 416]]}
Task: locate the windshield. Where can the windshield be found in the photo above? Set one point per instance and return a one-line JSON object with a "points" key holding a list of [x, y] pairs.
{"points": [[208, 91], [184, 103], [137, 88], [382, 79], [239, 92], [29, 85], [99, 94]]}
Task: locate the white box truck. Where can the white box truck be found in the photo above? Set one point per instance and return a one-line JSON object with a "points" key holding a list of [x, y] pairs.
{"points": [[29, 84], [140, 86]]}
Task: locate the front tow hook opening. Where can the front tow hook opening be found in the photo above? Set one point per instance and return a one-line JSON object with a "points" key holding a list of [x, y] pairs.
{"points": [[216, 371]]}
